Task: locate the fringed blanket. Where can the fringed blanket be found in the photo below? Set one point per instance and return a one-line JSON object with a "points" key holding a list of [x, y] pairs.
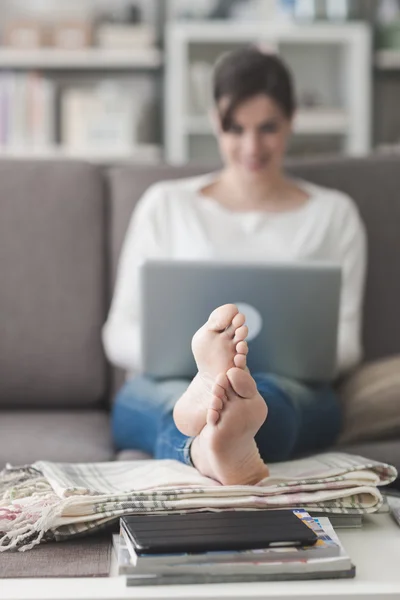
{"points": [[55, 501]]}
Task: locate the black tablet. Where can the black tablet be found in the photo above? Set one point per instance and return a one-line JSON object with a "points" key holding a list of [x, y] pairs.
{"points": [[214, 531]]}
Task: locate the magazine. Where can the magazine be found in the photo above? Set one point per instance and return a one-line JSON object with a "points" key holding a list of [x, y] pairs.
{"points": [[323, 568]]}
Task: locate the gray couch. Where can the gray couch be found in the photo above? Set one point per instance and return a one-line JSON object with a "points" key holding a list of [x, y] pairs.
{"points": [[61, 229]]}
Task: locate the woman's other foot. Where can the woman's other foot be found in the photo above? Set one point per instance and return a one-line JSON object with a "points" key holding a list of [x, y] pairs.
{"points": [[225, 449], [220, 344], [217, 346]]}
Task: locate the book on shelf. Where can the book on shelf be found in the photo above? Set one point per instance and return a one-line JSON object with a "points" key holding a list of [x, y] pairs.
{"points": [[106, 116], [233, 569], [27, 110], [101, 116], [126, 36]]}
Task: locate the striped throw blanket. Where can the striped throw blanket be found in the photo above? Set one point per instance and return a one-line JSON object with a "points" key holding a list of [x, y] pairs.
{"points": [[55, 501]]}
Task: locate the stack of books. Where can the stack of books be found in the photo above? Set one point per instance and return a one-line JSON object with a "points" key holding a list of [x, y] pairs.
{"points": [[112, 115], [27, 105], [324, 559]]}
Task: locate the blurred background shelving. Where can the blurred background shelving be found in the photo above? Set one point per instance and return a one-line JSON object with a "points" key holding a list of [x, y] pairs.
{"points": [[111, 80], [387, 59], [87, 58], [81, 80], [333, 75]]}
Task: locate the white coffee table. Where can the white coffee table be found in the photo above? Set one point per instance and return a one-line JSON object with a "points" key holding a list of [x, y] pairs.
{"points": [[374, 549]]}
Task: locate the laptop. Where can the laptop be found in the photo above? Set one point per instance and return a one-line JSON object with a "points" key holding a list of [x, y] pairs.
{"points": [[291, 309]]}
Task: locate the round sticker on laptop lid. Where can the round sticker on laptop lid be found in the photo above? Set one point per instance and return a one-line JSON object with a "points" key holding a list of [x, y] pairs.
{"points": [[253, 319]]}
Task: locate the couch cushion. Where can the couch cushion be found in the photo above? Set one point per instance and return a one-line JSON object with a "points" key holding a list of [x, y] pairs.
{"points": [[387, 451], [133, 455], [370, 400], [52, 290], [60, 436]]}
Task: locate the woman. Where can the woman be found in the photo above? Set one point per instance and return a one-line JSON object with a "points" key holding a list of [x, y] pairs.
{"points": [[250, 211]]}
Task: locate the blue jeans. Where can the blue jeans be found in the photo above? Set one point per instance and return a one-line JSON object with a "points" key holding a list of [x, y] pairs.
{"points": [[301, 418]]}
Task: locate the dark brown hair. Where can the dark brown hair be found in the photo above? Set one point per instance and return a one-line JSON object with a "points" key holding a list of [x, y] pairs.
{"points": [[247, 72]]}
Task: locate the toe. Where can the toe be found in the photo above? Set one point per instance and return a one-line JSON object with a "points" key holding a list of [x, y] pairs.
{"points": [[216, 404], [222, 382], [242, 348], [222, 317], [242, 382], [212, 416], [237, 321], [218, 391], [240, 361], [241, 333]]}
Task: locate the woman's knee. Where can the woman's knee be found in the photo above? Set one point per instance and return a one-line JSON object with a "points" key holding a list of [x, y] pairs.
{"points": [[135, 391], [135, 413], [278, 435]]}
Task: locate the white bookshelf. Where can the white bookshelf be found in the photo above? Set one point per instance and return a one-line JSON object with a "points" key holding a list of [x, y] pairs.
{"points": [[90, 58], [307, 122], [58, 70], [143, 153], [333, 58], [387, 59]]}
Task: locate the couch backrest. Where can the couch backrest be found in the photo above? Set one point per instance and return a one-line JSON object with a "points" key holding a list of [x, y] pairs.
{"points": [[374, 184], [52, 284]]}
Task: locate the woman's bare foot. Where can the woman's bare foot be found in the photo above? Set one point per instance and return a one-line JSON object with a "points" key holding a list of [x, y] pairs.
{"points": [[217, 346], [225, 449]]}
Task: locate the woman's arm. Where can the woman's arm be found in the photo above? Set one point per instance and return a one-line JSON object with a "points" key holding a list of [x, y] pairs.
{"points": [[353, 255], [144, 239]]}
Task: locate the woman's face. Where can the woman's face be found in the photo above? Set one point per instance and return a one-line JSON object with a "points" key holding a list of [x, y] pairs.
{"points": [[256, 142]]}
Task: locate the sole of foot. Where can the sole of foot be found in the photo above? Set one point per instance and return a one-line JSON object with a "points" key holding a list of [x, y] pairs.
{"points": [[217, 346], [225, 449]]}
